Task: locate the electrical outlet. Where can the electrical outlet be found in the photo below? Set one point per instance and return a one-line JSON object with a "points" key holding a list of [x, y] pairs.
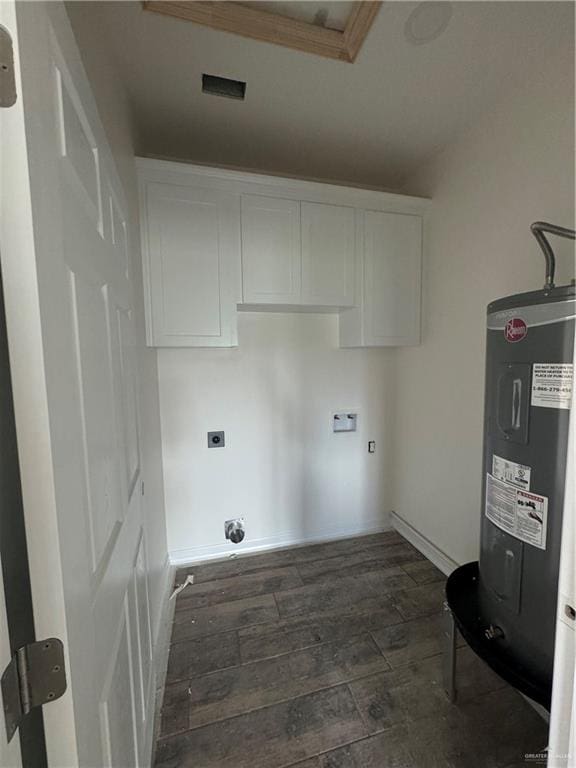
{"points": [[371, 446], [216, 439]]}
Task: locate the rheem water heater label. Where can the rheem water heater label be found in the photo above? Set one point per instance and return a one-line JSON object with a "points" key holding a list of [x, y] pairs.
{"points": [[511, 472], [552, 385], [522, 514]]}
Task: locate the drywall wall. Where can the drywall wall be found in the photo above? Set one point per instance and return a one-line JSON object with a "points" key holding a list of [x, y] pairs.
{"points": [[512, 168], [282, 468], [116, 118]]}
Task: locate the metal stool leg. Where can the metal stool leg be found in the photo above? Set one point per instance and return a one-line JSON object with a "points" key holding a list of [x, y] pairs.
{"points": [[449, 656]]}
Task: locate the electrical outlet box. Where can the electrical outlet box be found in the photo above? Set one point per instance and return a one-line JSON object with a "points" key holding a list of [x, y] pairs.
{"points": [[216, 439], [371, 446]]}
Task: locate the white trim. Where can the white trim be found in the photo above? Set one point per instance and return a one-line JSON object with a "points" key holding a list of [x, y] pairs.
{"points": [[441, 560], [289, 539], [170, 171]]}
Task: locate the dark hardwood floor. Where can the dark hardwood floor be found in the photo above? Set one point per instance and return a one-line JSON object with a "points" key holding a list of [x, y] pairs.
{"points": [[329, 656]]}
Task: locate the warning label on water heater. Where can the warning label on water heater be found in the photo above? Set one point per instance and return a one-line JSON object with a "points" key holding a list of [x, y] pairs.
{"points": [[520, 513], [552, 385]]}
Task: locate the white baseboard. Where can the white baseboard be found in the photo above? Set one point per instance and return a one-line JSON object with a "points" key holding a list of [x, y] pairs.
{"points": [[441, 560], [289, 539]]}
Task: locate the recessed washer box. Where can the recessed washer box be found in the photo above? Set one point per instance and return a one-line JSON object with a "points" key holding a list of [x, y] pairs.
{"points": [[344, 422]]}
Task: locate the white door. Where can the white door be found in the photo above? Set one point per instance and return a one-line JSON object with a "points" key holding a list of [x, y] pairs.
{"points": [[64, 244], [270, 250], [328, 255]]}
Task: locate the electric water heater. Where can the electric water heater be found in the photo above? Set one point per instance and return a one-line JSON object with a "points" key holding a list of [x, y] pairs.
{"points": [[529, 374]]}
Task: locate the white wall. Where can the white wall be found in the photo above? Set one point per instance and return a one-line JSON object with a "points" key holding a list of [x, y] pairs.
{"points": [[512, 168], [116, 118], [282, 469]]}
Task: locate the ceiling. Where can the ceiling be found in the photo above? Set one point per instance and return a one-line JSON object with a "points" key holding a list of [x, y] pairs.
{"points": [[371, 123]]}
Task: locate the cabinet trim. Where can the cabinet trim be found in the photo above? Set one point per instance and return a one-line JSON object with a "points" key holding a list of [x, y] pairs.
{"points": [[244, 182]]}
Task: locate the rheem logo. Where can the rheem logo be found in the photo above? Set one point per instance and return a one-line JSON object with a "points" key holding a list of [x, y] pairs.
{"points": [[515, 329]]}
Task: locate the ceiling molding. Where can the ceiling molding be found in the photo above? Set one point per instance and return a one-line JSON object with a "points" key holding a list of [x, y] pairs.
{"points": [[272, 28], [358, 26]]}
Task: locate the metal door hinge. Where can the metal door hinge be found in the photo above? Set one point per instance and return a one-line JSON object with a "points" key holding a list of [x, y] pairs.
{"points": [[35, 676], [7, 76]]}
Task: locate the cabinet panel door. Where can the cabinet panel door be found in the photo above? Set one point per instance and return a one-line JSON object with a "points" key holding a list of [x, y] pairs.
{"points": [[392, 275], [328, 239], [193, 254], [270, 250]]}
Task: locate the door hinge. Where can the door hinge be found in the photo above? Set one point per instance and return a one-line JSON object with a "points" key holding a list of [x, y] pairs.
{"points": [[7, 75], [35, 676]]}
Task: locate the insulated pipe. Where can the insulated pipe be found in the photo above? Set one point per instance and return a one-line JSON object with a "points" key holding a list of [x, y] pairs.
{"points": [[538, 229]]}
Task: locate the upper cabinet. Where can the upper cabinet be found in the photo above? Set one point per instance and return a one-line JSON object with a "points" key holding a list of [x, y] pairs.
{"points": [[215, 242], [191, 246], [328, 254], [297, 254], [270, 250], [389, 272]]}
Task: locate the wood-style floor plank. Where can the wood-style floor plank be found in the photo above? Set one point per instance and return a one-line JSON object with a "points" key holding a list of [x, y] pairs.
{"points": [[231, 692], [223, 617], [274, 737], [245, 585], [412, 640], [413, 692], [329, 656], [275, 638], [194, 657]]}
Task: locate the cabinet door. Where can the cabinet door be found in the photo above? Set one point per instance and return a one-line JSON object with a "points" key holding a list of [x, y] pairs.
{"points": [[193, 253], [328, 239], [270, 250], [392, 274]]}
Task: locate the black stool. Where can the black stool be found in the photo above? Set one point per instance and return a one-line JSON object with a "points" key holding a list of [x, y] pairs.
{"points": [[462, 612]]}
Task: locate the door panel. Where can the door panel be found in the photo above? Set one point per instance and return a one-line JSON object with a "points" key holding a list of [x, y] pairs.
{"points": [[328, 255], [192, 236], [124, 339], [78, 148], [90, 315], [186, 272], [392, 267], [270, 250], [82, 449], [141, 648], [117, 705]]}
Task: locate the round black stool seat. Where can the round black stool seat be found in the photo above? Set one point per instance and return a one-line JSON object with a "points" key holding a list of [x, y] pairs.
{"points": [[462, 600]]}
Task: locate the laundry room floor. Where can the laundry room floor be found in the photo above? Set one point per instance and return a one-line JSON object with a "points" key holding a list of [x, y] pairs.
{"points": [[329, 656]]}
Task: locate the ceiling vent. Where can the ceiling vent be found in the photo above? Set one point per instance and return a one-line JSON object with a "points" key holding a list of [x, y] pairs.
{"points": [[223, 86]]}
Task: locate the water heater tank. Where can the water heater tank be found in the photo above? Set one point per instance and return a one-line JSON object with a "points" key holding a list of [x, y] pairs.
{"points": [[529, 372]]}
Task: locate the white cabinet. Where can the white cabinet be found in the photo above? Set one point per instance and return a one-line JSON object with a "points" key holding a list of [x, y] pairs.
{"points": [[328, 248], [191, 254], [215, 242], [297, 254], [270, 250], [389, 271]]}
